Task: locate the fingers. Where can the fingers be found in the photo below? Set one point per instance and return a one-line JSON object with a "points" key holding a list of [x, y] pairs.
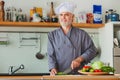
{"points": [[53, 72], [75, 64]]}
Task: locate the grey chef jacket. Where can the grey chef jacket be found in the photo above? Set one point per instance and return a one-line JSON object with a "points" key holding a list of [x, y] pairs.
{"points": [[62, 49]]}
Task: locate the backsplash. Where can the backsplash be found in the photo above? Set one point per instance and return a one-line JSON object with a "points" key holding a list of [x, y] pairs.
{"points": [[23, 52]]}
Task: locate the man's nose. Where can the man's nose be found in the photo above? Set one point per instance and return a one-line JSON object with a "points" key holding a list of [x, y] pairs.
{"points": [[63, 16]]}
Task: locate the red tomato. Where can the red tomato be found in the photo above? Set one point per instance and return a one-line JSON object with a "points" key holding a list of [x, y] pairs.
{"points": [[87, 66], [97, 70]]}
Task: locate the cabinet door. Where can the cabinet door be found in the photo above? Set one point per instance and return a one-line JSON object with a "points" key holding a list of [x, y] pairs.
{"points": [[117, 64]]}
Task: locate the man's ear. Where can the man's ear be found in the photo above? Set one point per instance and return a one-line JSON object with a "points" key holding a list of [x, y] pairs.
{"points": [[73, 16]]}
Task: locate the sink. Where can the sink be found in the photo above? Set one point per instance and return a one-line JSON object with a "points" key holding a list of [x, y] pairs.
{"points": [[24, 74]]}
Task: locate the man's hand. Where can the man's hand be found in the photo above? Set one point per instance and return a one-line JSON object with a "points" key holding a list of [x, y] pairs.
{"points": [[76, 62], [53, 72]]}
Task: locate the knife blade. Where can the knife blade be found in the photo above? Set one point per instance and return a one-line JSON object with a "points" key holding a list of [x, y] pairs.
{"points": [[68, 70]]}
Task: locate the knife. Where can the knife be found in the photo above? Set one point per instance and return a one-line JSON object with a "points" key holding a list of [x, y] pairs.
{"points": [[68, 70]]}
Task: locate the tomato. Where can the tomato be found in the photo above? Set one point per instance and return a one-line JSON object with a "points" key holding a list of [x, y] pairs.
{"points": [[87, 66], [97, 70]]}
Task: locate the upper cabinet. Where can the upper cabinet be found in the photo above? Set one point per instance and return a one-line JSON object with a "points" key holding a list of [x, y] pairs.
{"points": [[45, 24]]}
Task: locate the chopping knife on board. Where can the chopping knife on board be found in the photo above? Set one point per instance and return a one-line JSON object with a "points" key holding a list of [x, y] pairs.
{"points": [[67, 71]]}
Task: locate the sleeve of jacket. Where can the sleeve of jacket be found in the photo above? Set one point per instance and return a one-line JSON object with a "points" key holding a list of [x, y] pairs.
{"points": [[89, 51], [50, 51]]}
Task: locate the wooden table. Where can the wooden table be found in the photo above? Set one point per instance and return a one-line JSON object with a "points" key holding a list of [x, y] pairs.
{"points": [[62, 77], [80, 77]]}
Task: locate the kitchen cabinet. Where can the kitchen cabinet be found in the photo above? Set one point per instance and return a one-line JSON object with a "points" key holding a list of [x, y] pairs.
{"points": [[44, 24], [106, 37]]}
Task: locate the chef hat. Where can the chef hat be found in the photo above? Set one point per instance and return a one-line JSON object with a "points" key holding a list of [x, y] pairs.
{"points": [[65, 7]]}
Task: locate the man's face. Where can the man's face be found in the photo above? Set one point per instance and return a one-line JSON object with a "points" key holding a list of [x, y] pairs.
{"points": [[66, 19]]}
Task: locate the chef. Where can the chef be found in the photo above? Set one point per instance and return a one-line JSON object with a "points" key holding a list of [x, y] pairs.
{"points": [[68, 46]]}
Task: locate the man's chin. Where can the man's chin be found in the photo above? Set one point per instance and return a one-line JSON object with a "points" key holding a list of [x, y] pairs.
{"points": [[64, 24]]}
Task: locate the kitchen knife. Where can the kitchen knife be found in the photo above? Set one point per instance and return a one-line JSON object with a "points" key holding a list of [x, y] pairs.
{"points": [[68, 70]]}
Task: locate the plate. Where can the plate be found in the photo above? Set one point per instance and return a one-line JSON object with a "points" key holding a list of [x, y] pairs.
{"points": [[93, 73]]}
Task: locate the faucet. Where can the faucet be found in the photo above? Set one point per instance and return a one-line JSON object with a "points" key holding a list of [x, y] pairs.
{"points": [[12, 70]]}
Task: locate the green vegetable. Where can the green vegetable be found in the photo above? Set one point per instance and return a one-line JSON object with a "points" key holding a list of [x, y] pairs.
{"points": [[84, 70], [91, 70], [107, 69], [97, 64], [60, 73]]}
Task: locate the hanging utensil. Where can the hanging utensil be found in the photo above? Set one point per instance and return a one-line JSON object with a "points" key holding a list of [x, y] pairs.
{"points": [[39, 55]]}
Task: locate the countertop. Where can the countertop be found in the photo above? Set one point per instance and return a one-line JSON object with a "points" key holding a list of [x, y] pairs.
{"points": [[65, 77]]}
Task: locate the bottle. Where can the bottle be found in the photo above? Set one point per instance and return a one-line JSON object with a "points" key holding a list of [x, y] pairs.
{"points": [[2, 13], [97, 12], [14, 14], [106, 16], [7, 14], [52, 13], [19, 17], [110, 11]]}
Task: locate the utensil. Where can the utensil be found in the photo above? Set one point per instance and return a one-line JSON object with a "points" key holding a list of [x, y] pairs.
{"points": [[39, 55], [68, 70]]}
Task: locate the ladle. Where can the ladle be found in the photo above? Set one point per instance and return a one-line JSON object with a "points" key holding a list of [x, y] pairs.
{"points": [[39, 55]]}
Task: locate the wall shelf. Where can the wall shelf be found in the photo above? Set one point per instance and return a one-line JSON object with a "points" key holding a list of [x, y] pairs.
{"points": [[47, 24]]}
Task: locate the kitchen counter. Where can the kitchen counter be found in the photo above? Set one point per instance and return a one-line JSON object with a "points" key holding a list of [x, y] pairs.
{"points": [[24, 74], [64, 77], [81, 77], [20, 77]]}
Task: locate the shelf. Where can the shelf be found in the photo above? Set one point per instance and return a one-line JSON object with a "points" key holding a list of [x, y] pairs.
{"points": [[47, 24]]}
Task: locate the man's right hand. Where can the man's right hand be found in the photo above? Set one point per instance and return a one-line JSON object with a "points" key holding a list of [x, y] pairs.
{"points": [[53, 72]]}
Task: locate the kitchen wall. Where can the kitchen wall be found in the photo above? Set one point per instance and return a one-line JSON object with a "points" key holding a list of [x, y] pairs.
{"points": [[13, 54]]}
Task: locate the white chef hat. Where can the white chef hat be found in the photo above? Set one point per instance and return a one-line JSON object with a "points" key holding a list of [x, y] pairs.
{"points": [[65, 7]]}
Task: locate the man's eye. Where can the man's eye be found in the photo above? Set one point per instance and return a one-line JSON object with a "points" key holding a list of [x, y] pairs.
{"points": [[61, 15], [67, 15]]}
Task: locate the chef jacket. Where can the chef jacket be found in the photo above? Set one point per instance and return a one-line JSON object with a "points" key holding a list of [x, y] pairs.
{"points": [[63, 49]]}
